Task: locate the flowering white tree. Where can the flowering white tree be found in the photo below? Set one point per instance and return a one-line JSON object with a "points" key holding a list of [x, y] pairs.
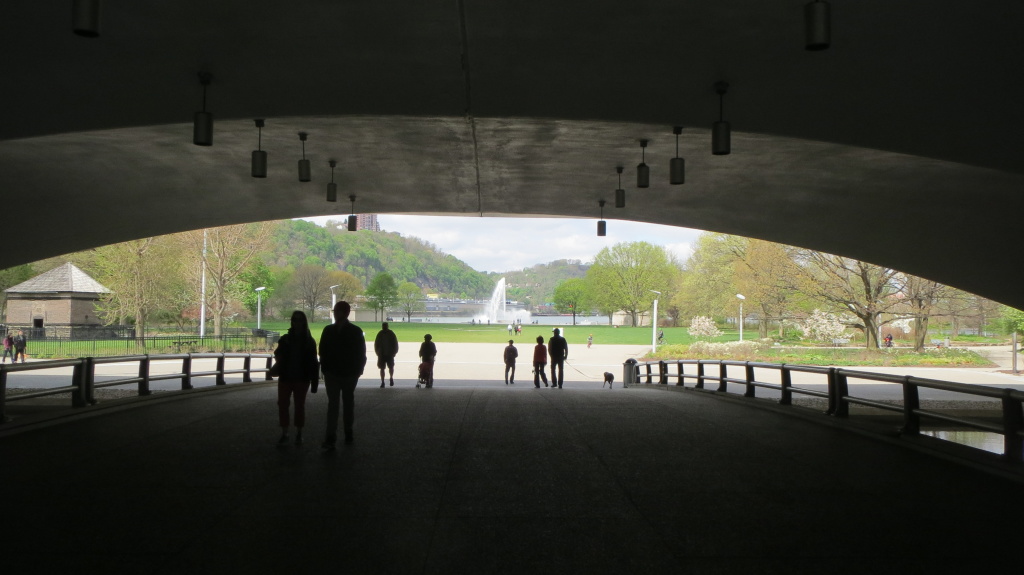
{"points": [[704, 327], [823, 326]]}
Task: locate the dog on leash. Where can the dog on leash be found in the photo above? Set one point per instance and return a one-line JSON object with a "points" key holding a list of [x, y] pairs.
{"points": [[608, 378]]}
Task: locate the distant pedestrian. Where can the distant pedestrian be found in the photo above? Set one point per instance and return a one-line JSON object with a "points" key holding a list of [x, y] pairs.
{"points": [[385, 345], [19, 343], [558, 349], [511, 353], [540, 362], [590, 340], [510, 329], [8, 348], [428, 352], [300, 372], [343, 358]]}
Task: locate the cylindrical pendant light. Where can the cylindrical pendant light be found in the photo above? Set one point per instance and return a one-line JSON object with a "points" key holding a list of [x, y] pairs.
{"points": [[352, 216], [677, 166], [332, 188], [818, 25], [202, 123], [602, 226], [620, 194], [721, 131], [304, 171], [259, 157], [85, 18], [643, 173]]}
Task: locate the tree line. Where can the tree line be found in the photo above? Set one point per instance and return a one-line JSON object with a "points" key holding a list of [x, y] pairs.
{"points": [[782, 286]]}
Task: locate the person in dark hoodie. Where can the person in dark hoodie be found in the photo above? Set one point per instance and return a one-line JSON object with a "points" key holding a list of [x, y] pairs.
{"points": [[300, 372]]}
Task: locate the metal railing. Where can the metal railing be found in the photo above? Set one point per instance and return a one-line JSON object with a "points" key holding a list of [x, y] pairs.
{"points": [[704, 373], [83, 374], [62, 347]]}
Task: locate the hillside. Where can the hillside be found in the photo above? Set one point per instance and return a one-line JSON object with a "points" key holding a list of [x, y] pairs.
{"points": [[536, 284], [365, 254]]}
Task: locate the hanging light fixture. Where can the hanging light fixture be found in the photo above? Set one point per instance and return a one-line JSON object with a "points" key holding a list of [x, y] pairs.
{"points": [[602, 226], [352, 216], [643, 173], [259, 157], [332, 188], [304, 163], [85, 18], [202, 124], [677, 166], [721, 131], [818, 25], [620, 194]]}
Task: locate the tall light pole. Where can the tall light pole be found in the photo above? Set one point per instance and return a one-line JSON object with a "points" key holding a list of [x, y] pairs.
{"points": [[741, 297], [333, 300], [202, 293], [259, 304], [654, 324]]}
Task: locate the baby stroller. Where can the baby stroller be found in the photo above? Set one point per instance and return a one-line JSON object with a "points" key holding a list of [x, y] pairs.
{"points": [[424, 375]]}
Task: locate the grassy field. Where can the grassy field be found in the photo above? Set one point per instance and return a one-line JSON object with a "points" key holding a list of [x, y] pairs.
{"points": [[467, 333]]}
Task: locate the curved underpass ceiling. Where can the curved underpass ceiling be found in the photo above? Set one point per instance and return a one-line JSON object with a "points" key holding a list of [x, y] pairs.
{"points": [[899, 145]]}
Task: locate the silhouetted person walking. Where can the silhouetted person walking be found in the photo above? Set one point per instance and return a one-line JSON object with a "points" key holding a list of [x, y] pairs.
{"points": [[558, 349], [540, 362], [385, 345], [19, 347], [511, 353], [8, 348], [342, 358], [300, 370], [428, 351]]}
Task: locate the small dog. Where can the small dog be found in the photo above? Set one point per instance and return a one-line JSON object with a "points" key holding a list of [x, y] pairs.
{"points": [[608, 378]]}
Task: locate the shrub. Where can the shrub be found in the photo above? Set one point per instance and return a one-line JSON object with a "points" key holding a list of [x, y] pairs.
{"points": [[703, 327]]}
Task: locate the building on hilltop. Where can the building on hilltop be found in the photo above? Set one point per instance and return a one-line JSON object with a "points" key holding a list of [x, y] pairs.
{"points": [[60, 302], [367, 222]]}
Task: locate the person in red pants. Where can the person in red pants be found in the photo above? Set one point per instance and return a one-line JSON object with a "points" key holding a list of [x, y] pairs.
{"points": [[299, 371]]}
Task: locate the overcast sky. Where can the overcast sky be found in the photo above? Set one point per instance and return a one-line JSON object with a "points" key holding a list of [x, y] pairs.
{"points": [[508, 244]]}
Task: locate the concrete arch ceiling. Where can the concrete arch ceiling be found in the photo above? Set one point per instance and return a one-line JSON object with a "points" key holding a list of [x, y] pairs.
{"points": [[899, 145]]}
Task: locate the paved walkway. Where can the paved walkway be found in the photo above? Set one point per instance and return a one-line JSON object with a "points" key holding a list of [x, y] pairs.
{"points": [[480, 478]]}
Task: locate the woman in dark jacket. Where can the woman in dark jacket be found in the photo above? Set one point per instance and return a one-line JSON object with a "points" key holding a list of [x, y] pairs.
{"points": [[299, 368]]}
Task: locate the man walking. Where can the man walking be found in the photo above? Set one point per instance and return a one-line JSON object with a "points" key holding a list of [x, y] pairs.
{"points": [[511, 353], [385, 345], [342, 359], [19, 347], [558, 348]]}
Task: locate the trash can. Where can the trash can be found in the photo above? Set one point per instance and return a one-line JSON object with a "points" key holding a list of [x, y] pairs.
{"points": [[629, 372]]}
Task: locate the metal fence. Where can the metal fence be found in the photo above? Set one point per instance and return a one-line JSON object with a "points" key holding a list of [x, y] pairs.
{"points": [[705, 374], [63, 347], [83, 381]]}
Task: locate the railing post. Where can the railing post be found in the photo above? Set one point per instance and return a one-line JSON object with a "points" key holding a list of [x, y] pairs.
{"points": [[3, 394], [749, 373], [1013, 424], [186, 372], [90, 381], [911, 403], [650, 373], [723, 374], [662, 372], [270, 363], [220, 370], [831, 392], [700, 375], [842, 390], [80, 381], [787, 382], [681, 370], [144, 376], [246, 367]]}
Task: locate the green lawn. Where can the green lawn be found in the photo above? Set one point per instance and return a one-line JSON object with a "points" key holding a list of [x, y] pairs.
{"points": [[467, 333]]}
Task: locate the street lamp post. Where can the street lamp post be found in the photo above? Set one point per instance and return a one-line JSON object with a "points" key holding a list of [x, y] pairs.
{"points": [[259, 305], [654, 324], [741, 298], [333, 300]]}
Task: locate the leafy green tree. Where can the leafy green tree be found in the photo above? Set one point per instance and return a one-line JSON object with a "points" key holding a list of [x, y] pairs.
{"points": [[1012, 320], [258, 275], [708, 282], [571, 297], [382, 293], [624, 275], [139, 275], [410, 299], [12, 277]]}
